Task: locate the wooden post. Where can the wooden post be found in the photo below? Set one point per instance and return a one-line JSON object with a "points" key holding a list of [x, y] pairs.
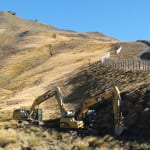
{"points": [[128, 64], [139, 62], [136, 64], [124, 65], [133, 64]]}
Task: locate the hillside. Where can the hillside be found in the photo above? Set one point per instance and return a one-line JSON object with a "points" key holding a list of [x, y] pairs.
{"points": [[34, 53], [36, 57]]}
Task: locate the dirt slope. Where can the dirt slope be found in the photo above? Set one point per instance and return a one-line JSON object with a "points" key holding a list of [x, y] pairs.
{"points": [[35, 57]]}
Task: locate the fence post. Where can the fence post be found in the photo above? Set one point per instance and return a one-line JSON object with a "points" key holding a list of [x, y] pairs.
{"points": [[139, 63], [125, 64], [136, 64], [129, 64]]}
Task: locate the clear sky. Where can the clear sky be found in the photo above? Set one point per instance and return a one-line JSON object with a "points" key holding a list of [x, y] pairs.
{"points": [[127, 20]]}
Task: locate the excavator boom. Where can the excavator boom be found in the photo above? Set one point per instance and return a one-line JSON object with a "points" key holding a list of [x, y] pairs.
{"points": [[113, 94], [35, 113], [41, 99]]}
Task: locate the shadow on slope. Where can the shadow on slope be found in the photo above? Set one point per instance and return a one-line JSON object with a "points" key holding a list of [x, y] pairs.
{"points": [[135, 99], [97, 77]]}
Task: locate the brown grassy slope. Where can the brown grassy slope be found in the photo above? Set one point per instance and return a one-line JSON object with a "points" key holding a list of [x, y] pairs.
{"points": [[26, 80], [27, 70], [135, 93], [27, 46], [91, 81], [130, 50], [98, 77]]}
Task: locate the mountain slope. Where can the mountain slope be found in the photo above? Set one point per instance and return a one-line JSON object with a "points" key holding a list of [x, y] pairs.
{"points": [[26, 45], [35, 57]]}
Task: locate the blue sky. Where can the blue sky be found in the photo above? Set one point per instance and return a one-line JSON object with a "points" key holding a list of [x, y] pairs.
{"points": [[127, 20]]}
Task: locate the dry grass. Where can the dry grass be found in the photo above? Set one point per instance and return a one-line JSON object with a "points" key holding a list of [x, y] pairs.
{"points": [[130, 50], [28, 69], [35, 138]]}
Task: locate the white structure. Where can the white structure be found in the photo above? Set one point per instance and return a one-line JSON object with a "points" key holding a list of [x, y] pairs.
{"points": [[105, 57], [118, 50]]}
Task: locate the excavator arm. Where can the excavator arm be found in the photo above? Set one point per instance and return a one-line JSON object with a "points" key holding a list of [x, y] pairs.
{"points": [[39, 100], [109, 94], [55, 92], [113, 94], [32, 114]]}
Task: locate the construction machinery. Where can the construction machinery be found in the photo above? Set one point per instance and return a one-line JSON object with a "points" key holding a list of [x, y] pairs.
{"points": [[35, 113], [114, 95], [82, 118]]}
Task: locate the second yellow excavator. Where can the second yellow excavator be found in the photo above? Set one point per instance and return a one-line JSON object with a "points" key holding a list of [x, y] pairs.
{"points": [[78, 119]]}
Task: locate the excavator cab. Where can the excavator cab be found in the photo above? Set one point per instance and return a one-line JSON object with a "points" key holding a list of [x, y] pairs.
{"points": [[89, 118], [37, 114], [23, 114], [20, 114]]}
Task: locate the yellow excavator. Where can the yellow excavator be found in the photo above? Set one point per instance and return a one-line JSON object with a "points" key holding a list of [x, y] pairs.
{"points": [[78, 119], [35, 113]]}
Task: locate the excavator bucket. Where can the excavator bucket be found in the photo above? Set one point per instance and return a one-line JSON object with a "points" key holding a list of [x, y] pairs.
{"points": [[120, 129]]}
